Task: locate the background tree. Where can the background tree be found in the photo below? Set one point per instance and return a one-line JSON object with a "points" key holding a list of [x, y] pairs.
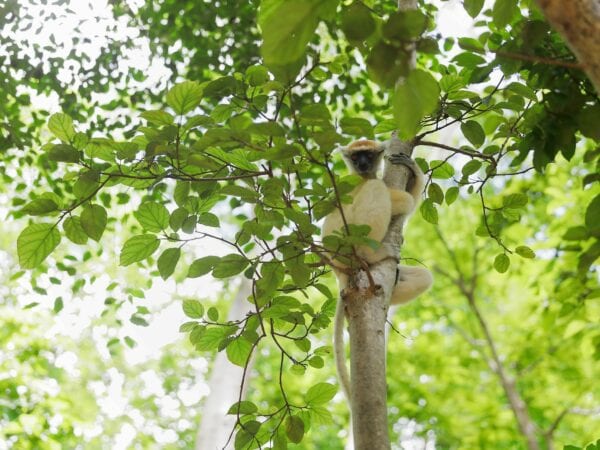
{"points": [[241, 156]]}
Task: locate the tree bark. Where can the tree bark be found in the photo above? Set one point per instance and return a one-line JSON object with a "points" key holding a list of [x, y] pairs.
{"points": [[366, 302], [578, 22], [366, 308], [225, 381]]}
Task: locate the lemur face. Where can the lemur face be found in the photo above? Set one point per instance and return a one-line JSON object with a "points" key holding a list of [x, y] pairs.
{"points": [[365, 162]]}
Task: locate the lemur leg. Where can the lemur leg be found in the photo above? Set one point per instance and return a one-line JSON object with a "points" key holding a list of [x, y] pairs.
{"points": [[412, 282], [402, 202]]}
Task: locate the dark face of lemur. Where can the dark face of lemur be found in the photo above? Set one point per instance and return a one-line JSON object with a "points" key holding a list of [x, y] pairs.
{"points": [[366, 162]]}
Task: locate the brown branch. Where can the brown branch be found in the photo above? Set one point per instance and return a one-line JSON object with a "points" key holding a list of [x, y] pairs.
{"points": [[518, 406], [462, 151]]}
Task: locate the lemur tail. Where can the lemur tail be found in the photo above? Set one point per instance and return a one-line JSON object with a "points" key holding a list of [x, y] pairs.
{"points": [[338, 349]]}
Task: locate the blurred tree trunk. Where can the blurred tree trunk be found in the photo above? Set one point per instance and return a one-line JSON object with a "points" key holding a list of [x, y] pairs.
{"points": [[224, 384], [578, 22]]}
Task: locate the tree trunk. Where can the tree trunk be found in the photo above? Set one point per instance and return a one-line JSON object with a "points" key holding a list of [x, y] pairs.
{"points": [[366, 301], [578, 21], [225, 381]]}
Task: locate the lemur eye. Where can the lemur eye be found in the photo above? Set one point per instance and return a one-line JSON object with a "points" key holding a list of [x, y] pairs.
{"points": [[354, 156]]}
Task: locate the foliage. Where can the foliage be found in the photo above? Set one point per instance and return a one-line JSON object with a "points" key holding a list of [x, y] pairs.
{"points": [[241, 154]]}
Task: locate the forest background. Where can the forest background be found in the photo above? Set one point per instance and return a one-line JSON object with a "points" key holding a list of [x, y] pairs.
{"points": [[159, 158]]}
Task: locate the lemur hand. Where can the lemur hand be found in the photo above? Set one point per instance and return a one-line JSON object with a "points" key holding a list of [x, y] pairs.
{"points": [[404, 160]]}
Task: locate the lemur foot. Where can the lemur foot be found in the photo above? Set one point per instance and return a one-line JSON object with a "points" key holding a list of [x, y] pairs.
{"points": [[404, 160]]}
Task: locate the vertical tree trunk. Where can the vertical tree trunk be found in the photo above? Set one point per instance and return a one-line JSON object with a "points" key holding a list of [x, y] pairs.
{"points": [[578, 21], [225, 381], [366, 308], [366, 302]]}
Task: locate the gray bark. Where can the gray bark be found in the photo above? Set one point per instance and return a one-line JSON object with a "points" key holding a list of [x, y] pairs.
{"points": [[366, 303]]}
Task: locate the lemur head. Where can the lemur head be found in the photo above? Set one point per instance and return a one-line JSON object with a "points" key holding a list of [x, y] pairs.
{"points": [[363, 157]]}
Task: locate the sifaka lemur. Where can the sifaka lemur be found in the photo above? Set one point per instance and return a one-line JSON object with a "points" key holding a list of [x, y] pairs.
{"points": [[374, 204]]}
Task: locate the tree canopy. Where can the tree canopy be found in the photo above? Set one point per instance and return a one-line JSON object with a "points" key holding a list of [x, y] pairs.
{"points": [[178, 147]]}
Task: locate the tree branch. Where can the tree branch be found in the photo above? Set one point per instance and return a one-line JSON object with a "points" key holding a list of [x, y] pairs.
{"points": [[524, 421]]}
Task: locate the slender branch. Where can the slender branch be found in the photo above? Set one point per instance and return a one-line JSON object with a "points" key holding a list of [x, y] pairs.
{"points": [[518, 406], [462, 151]]}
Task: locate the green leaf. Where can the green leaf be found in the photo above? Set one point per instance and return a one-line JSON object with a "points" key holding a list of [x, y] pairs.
{"points": [[429, 212], [303, 344], [243, 408], [209, 220], [177, 218], [183, 97], [74, 231], [93, 221], [515, 201], [138, 320], [588, 119], [525, 252], [320, 393], [196, 121], [158, 117], [238, 351], [357, 126], [86, 184], [182, 192], [288, 26], [471, 167], [229, 265], [452, 195], [441, 169], [213, 313], [473, 132], [386, 63], [503, 12], [435, 193], [39, 207], [294, 429], [577, 233], [210, 339], [167, 262], [473, 7], [138, 248], [193, 309], [403, 26], [58, 305], [522, 90], [257, 75], [63, 153], [152, 216], [35, 243], [415, 97], [202, 266], [61, 126], [592, 215], [357, 21], [501, 263], [266, 129]]}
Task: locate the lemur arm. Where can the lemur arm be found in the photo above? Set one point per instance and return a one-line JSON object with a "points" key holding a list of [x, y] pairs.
{"points": [[405, 202]]}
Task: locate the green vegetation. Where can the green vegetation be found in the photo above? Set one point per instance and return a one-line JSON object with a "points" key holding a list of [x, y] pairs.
{"points": [[135, 184]]}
